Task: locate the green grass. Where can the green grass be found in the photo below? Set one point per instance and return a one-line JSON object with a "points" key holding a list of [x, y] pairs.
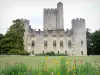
{"points": [[35, 60], [48, 65]]}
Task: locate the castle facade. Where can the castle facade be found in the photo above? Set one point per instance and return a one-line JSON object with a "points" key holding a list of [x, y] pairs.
{"points": [[54, 37]]}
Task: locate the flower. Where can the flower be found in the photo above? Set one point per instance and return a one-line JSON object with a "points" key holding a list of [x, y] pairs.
{"points": [[74, 67], [46, 58], [74, 61], [67, 62], [68, 70], [57, 62], [54, 60]]}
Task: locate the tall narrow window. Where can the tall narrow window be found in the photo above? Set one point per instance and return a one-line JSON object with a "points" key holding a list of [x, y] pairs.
{"points": [[82, 52], [45, 43], [54, 43], [69, 43], [65, 52], [33, 43], [61, 43], [58, 52], [32, 51], [43, 52], [81, 42]]}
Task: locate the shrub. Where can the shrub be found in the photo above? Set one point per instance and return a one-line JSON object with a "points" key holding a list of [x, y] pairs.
{"points": [[17, 52], [24, 53], [14, 52], [61, 54], [51, 54]]}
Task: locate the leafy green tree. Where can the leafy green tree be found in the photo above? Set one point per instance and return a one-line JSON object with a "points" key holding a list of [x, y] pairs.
{"points": [[13, 39], [89, 42], [1, 36], [96, 42]]}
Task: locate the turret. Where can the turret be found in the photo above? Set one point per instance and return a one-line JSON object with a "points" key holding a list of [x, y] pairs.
{"points": [[26, 27], [60, 16]]}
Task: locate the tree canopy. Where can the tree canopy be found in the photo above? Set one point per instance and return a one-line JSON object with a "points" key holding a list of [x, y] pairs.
{"points": [[13, 39], [96, 42], [93, 42]]}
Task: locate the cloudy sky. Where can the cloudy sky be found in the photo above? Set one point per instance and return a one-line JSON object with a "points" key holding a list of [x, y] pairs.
{"points": [[33, 10]]}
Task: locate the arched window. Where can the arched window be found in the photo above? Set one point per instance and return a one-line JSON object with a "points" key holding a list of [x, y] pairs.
{"points": [[54, 43], [61, 43], [45, 43], [33, 43]]}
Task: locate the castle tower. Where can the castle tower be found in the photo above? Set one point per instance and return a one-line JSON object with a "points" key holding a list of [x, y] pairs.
{"points": [[53, 18], [26, 27], [79, 36], [60, 16], [50, 19]]}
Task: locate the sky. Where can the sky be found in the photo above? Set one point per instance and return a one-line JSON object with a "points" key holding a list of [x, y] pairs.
{"points": [[33, 11]]}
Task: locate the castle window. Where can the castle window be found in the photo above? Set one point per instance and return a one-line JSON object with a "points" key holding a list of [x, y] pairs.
{"points": [[45, 43], [81, 42], [69, 43], [33, 43], [43, 52], [65, 52], [82, 52], [58, 52], [54, 43], [32, 51], [61, 43]]}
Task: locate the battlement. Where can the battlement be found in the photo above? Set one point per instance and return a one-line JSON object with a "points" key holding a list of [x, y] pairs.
{"points": [[50, 9], [78, 20], [25, 20]]}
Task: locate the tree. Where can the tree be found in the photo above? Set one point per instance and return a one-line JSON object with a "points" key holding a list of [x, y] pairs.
{"points": [[89, 41], [96, 42], [13, 39], [1, 36]]}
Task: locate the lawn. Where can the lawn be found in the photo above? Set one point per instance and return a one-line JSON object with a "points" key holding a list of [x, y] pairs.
{"points": [[36, 60], [52, 65]]}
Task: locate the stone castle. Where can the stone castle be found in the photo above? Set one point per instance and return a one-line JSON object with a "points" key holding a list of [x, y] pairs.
{"points": [[54, 37]]}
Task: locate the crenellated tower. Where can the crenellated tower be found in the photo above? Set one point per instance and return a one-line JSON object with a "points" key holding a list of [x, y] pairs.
{"points": [[79, 36], [50, 19], [53, 18]]}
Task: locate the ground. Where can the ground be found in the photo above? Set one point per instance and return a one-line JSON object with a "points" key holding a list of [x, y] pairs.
{"points": [[36, 60]]}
